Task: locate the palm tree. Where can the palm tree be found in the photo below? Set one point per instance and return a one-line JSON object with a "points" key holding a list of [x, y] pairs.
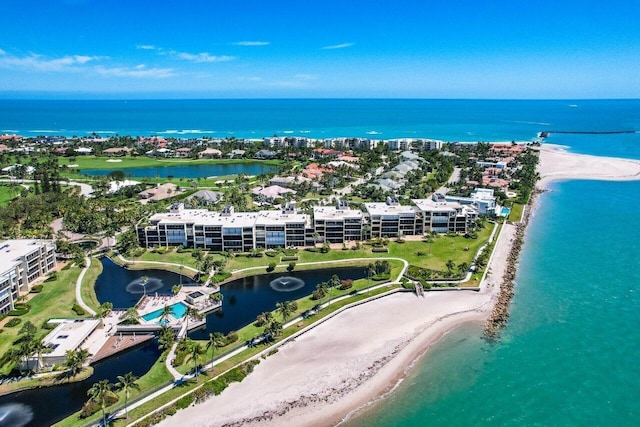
{"points": [[215, 340], [131, 316], [274, 329], [450, 265], [192, 312], [75, 359], [166, 338], [285, 309], [164, 314], [127, 382], [39, 347], [371, 271], [99, 392], [196, 350]]}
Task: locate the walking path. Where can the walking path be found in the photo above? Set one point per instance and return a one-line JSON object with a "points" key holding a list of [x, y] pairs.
{"points": [[186, 267], [81, 303], [85, 189]]}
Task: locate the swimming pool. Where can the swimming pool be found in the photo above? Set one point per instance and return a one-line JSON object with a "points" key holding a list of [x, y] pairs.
{"points": [[178, 310], [506, 211]]}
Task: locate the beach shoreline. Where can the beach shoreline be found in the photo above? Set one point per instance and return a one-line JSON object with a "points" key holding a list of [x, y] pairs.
{"points": [[340, 367]]}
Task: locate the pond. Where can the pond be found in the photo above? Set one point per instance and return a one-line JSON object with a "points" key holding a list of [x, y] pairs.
{"points": [[245, 298], [188, 171], [124, 288], [45, 406]]}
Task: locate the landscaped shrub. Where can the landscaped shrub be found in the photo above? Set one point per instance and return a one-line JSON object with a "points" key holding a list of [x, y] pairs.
{"points": [[13, 322], [19, 309], [379, 249], [271, 253], [139, 252], [291, 266], [66, 267], [37, 288], [223, 275], [46, 325], [230, 338], [289, 258], [345, 284], [184, 401], [272, 266], [53, 276], [91, 406], [78, 310]]}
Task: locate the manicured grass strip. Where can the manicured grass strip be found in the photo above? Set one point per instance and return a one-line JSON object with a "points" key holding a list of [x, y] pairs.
{"points": [[94, 162], [88, 290], [516, 212]]}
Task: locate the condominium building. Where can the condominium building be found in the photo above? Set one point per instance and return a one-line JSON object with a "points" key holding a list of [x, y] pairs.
{"points": [[337, 224], [22, 262], [442, 216], [226, 230], [390, 218], [243, 231]]}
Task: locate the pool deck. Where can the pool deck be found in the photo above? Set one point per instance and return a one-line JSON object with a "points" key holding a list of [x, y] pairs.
{"points": [[118, 343]]}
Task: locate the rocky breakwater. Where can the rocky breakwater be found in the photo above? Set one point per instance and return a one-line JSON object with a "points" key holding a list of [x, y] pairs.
{"points": [[500, 313]]}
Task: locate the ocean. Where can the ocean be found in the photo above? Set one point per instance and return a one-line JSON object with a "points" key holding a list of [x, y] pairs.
{"points": [[568, 354]]}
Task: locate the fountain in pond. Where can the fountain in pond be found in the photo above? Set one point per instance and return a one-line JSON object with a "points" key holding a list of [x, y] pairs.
{"points": [[15, 415], [286, 284], [144, 285]]}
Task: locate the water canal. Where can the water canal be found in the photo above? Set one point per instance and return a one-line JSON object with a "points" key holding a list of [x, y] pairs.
{"points": [[244, 299]]}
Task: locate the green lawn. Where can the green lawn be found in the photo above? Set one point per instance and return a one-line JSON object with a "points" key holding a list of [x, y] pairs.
{"points": [[94, 162], [8, 192], [516, 212], [55, 301], [88, 291]]}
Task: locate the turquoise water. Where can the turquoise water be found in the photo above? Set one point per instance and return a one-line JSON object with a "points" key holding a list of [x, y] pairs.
{"points": [[178, 310], [450, 120], [569, 353]]}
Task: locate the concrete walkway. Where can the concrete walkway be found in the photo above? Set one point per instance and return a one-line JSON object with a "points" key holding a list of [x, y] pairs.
{"points": [[186, 267], [81, 303]]}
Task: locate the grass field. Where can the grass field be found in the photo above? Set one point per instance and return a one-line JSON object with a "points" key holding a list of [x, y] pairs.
{"points": [[8, 192], [55, 301], [94, 162], [88, 291]]}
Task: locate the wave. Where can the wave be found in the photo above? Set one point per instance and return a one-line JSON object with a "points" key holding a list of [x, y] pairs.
{"points": [[373, 132], [287, 131], [524, 122], [185, 132], [45, 131]]}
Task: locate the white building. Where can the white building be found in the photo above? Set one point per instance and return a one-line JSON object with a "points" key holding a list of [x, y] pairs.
{"points": [[69, 335], [337, 224], [22, 262], [483, 199]]}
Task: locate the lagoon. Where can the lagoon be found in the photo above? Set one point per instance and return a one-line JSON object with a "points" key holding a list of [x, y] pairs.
{"points": [[187, 171]]}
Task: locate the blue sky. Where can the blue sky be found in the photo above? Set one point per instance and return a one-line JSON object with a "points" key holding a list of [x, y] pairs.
{"points": [[296, 48]]}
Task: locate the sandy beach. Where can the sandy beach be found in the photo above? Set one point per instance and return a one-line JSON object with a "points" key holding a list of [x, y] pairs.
{"points": [[361, 354], [347, 361], [558, 164]]}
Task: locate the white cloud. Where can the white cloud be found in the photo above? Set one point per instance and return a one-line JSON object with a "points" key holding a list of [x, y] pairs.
{"points": [[338, 46], [250, 43], [146, 47], [35, 62], [139, 71], [202, 57], [2, 52], [297, 81]]}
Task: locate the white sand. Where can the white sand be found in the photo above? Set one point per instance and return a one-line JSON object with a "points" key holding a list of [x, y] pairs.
{"points": [[359, 355], [114, 161], [347, 361], [558, 164]]}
